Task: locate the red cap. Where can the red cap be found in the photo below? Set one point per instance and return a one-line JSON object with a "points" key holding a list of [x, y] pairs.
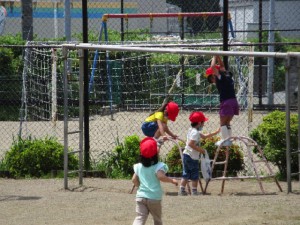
{"points": [[197, 117], [210, 70], [148, 147], [172, 110]]}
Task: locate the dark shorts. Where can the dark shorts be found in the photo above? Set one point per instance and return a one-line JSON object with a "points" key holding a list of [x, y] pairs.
{"points": [[229, 107], [149, 128], [190, 168]]}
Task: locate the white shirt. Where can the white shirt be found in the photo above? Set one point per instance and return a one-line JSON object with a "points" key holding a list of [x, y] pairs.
{"points": [[193, 134]]}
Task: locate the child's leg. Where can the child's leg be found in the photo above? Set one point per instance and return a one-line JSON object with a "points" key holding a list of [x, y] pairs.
{"points": [[182, 187], [154, 207], [142, 211], [194, 186], [225, 129]]}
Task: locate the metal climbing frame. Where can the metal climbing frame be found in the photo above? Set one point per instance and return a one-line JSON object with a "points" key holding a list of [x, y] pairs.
{"points": [[250, 144]]}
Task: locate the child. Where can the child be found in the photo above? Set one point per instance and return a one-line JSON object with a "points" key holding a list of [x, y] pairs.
{"points": [[192, 151], [147, 176], [229, 106], [155, 125]]}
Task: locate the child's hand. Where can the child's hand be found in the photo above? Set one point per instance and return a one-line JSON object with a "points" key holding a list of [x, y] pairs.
{"points": [[175, 182], [174, 137], [165, 138]]}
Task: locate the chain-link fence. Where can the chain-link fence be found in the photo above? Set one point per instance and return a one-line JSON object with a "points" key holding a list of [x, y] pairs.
{"points": [[54, 19], [123, 94]]}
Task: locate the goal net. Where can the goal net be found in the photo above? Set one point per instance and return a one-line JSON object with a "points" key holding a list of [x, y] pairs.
{"points": [[126, 80]]}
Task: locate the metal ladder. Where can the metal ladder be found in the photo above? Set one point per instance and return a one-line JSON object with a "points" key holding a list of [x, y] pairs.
{"points": [[250, 144], [66, 121]]}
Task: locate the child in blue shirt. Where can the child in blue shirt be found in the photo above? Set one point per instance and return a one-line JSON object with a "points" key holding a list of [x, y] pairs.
{"points": [[147, 176]]}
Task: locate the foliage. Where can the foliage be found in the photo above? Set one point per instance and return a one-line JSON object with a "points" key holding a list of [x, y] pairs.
{"points": [[271, 136], [236, 156], [279, 70], [119, 163], [115, 36], [36, 157], [235, 162], [173, 159]]}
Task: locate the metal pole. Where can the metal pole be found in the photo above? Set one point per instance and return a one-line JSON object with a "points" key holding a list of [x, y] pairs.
{"points": [[270, 80], [65, 80], [86, 87], [260, 49], [287, 124], [182, 60], [298, 103], [81, 113], [55, 12], [180, 51], [225, 32], [68, 20], [27, 20], [122, 21]]}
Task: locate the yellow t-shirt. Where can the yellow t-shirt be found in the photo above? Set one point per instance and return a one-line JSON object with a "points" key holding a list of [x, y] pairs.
{"points": [[157, 116]]}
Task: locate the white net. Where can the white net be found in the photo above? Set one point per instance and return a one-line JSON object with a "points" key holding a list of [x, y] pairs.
{"points": [[126, 80]]}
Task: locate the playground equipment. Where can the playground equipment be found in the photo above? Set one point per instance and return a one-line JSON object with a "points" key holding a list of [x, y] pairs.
{"points": [[250, 145]]}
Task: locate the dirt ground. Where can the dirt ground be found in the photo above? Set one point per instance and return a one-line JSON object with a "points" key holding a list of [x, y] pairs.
{"points": [[104, 201]]}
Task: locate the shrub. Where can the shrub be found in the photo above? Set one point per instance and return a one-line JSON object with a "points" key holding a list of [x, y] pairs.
{"points": [[173, 159], [36, 157], [271, 136], [119, 163]]}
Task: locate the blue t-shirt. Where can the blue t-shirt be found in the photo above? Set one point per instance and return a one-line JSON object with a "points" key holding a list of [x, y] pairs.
{"points": [[225, 86], [150, 186]]}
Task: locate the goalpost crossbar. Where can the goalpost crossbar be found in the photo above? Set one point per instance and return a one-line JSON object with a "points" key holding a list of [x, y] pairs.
{"points": [[179, 51]]}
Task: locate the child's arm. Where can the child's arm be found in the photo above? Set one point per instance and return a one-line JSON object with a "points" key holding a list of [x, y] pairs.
{"points": [[220, 62], [135, 180], [161, 128], [210, 134], [170, 133], [162, 177], [192, 144]]}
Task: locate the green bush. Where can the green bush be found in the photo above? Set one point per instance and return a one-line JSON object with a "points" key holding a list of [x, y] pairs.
{"points": [[119, 163], [173, 159], [236, 156], [36, 157], [271, 136], [235, 162]]}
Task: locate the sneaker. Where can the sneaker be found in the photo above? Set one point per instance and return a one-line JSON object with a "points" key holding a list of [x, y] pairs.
{"points": [[196, 193], [182, 193]]}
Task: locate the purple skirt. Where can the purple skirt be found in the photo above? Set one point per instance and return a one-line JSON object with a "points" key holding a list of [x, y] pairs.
{"points": [[229, 107]]}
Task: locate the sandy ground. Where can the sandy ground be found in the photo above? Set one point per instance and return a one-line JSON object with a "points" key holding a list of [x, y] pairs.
{"points": [[104, 201]]}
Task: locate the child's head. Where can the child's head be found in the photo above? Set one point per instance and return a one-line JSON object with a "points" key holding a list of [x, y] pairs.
{"points": [[148, 152], [172, 111], [197, 119], [210, 75]]}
